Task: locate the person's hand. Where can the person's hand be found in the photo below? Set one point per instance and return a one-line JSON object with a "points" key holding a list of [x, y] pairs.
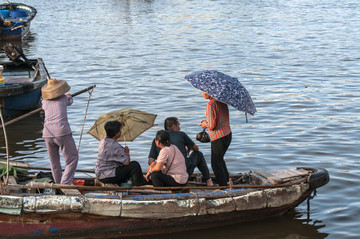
{"points": [[147, 177], [127, 150], [203, 124], [151, 165], [68, 95]]}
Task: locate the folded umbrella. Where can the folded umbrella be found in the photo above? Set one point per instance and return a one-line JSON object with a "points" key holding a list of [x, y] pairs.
{"points": [[136, 122]]}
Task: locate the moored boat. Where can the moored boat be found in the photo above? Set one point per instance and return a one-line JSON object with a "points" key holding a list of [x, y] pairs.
{"points": [[15, 19], [107, 211], [20, 90]]}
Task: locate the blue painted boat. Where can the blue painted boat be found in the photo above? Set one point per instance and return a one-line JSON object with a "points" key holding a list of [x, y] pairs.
{"points": [[15, 19], [21, 87]]}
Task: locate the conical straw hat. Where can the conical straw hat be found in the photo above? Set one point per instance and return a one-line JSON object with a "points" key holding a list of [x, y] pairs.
{"points": [[54, 88]]}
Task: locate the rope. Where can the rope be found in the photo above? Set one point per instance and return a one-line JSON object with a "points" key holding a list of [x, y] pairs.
{"points": [[7, 149], [87, 107]]}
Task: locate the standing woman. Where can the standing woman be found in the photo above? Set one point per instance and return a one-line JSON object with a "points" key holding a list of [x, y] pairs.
{"points": [[57, 132], [218, 123], [169, 168]]}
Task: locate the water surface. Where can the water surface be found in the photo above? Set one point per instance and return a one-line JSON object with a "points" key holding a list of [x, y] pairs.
{"points": [[299, 60]]}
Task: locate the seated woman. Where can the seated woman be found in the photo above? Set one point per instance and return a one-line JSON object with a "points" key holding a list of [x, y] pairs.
{"points": [[170, 167], [113, 163]]}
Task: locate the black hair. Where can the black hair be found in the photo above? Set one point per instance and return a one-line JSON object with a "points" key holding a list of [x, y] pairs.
{"points": [[112, 128], [170, 121], [163, 137]]}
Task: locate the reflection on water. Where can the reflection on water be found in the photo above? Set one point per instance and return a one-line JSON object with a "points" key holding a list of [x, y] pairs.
{"points": [[24, 139], [291, 227]]}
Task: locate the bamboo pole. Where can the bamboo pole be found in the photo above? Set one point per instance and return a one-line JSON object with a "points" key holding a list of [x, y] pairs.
{"points": [[21, 117], [39, 109], [15, 164], [47, 169], [7, 149], [114, 188]]}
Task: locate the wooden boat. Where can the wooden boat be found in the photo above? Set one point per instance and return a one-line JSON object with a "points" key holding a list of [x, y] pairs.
{"points": [[91, 210], [15, 20], [21, 87]]}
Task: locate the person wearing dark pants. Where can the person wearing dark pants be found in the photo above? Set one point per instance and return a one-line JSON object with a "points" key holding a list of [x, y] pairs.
{"points": [[113, 163], [218, 123], [218, 150], [170, 168], [197, 159], [186, 145], [161, 180], [132, 172]]}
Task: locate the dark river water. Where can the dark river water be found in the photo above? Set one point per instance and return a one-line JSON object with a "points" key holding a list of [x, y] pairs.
{"points": [[299, 60]]}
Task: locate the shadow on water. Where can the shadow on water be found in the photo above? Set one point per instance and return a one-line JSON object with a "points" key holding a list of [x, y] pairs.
{"points": [[288, 226]]}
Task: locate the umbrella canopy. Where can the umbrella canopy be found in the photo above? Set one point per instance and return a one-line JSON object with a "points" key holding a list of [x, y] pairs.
{"points": [[223, 88], [136, 122]]}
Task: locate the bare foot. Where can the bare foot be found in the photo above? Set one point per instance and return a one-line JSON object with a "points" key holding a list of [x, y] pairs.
{"points": [[209, 182]]}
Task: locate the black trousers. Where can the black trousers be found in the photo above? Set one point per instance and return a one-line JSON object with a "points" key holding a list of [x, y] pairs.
{"points": [[196, 159], [218, 150], [123, 173], [163, 180]]}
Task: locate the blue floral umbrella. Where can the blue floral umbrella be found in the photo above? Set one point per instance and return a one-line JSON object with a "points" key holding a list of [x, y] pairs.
{"points": [[223, 88]]}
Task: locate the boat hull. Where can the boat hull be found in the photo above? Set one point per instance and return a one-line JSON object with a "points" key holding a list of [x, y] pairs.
{"points": [[17, 18], [101, 215], [23, 94], [14, 105], [14, 35], [81, 226], [129, 218]]}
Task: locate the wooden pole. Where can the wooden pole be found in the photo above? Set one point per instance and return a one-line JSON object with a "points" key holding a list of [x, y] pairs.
{"points": [[114, 188], [39, 109], [26, 166], [49, 169]]}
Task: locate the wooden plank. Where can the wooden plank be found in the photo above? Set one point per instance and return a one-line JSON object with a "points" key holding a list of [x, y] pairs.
{"points": [[281, 175], [299, 172], [66, 191], [12, 180], [71, 192], [15, 164]]}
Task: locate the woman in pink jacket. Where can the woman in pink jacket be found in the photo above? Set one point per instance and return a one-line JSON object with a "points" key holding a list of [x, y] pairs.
{"points": [[57, 132]]}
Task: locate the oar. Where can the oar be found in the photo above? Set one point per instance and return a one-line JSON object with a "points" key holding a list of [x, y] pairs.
{"points": [[15, 28], [39, 109]]}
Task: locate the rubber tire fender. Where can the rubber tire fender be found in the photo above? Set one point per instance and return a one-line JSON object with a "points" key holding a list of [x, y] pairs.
{"points": [[319, 178]]}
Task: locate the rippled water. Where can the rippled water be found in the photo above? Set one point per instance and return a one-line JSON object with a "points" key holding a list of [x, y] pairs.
{"points": [[298, 59]]}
